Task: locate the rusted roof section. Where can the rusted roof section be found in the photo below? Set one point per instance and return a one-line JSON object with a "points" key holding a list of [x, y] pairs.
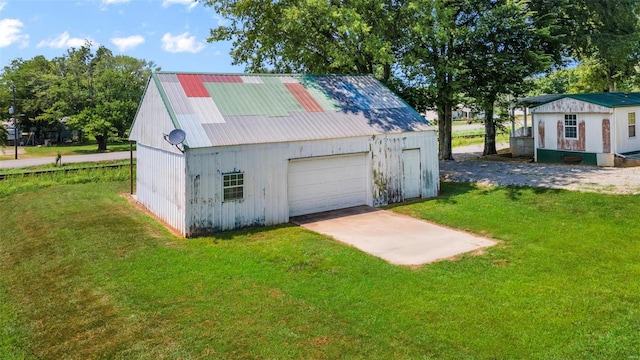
{"points": [[250, 109]]}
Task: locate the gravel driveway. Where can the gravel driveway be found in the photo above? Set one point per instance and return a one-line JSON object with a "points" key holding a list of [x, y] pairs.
{"points": [[470, 168]]}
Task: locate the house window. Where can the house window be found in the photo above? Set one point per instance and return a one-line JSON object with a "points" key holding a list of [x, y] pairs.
{"points": [[570, 127], [233, 186], [632, 124]]}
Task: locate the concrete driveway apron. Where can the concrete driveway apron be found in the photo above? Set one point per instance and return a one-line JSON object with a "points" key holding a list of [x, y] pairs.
{"points": [[396, 238]]}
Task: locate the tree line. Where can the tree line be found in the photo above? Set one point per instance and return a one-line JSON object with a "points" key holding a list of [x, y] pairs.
{"points": [[433, 53], [436, 52], [95, 92]]}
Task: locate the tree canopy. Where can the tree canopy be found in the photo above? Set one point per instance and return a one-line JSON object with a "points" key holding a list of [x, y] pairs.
{"points": [[432, 52], [92, 91]]}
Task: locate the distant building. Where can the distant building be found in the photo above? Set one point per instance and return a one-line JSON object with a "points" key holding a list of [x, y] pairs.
{"points": [[586, 128]]}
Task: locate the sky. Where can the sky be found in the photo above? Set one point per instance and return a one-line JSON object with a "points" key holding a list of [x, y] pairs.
{"points": [[171, 33]]}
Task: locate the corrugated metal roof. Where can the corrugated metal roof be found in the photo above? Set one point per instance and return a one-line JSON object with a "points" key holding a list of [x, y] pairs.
{"points": [[607, 99], [218, 109]]}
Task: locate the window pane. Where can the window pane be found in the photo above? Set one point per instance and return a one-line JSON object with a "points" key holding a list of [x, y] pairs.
{"points": [[232, 186]]}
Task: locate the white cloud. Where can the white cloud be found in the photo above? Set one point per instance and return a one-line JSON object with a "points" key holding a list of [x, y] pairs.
{"points": [[2, 4], [11, 33], [126, 43], [109, 2], [63, 41], [220, 21], [190, 4], [181, 43]]}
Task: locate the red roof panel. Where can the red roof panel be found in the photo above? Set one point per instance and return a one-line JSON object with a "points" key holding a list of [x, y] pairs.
{"points": [[193, 86], [304, 98], [221, 78]]}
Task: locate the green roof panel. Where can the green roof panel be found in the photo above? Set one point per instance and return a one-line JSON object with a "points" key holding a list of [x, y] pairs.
{"points": [[270, 98]]}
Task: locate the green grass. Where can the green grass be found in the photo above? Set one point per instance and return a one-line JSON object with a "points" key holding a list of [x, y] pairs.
{"points": [[64, 167], [63, 149], [464, 141], [83, 274]]}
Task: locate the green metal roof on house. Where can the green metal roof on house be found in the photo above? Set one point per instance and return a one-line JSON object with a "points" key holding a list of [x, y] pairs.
{"points": [[223, 109], [606, 99]]}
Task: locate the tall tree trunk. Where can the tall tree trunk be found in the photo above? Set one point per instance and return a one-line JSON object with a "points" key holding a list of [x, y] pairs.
{"points": [[102, 142], [489, 129], [444, 129], [610, 82]]}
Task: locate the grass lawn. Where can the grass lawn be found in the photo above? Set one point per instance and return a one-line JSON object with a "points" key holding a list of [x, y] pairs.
{"points": [[63, 149], [83, 274], [464, 141]]}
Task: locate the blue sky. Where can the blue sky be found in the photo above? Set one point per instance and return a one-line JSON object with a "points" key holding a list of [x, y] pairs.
{"points": [[171, 33]]}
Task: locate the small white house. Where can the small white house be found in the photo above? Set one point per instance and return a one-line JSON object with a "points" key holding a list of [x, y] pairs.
{"points": [[587, 128], [258, 149]]}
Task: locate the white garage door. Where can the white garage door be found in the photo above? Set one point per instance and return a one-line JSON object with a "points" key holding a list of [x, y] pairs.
{"points": [[326, 183]]}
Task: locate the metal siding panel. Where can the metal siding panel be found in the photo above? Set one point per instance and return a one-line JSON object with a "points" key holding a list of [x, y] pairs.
{"points": [[192, 85], [251, 79], [265, 167], [286, 119], [221, 78], [206, 110], [160, 185], [304, 98], [288, 80], [152, 121], [196, 136], [271, 99], [177, 98], [298, 126]]}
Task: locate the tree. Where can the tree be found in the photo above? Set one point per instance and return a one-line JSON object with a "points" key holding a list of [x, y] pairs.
{"points": [[97, 91], [437, 36], [116, 84], [30, 79], [312, 36], [4, 136], [503, 49], [602, 32]]}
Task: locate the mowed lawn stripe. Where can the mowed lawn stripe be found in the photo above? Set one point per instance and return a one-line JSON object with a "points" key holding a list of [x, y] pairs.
{"points": [[86, 275]]}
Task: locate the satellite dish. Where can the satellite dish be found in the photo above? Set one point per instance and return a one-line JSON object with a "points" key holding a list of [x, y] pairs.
{"points": [[176, 136]]}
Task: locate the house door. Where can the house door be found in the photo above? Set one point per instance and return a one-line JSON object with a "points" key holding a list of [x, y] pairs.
{"points": [[411, 183]]}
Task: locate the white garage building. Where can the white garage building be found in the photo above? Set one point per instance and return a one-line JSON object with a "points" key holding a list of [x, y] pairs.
{"points": [[255, 150]]}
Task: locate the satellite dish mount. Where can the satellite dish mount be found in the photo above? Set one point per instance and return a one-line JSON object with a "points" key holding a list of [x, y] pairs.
{"points": [[176, 138]]}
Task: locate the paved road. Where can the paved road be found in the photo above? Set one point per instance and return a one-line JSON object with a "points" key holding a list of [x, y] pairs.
{"points": [[66, 159]]}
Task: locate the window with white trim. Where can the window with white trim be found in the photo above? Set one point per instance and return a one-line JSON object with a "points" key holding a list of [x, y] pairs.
{"points": [[570, 126], [632, 124], [233, 186]]}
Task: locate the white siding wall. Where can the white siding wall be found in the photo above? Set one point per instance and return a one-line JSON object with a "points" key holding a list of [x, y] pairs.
{"points": [[593, 130], [623, 143], [152, 121], [161, 184], [265, 175]]}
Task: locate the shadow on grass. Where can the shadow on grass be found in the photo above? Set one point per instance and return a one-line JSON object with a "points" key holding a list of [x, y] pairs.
{"points": [[449, 191]]}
